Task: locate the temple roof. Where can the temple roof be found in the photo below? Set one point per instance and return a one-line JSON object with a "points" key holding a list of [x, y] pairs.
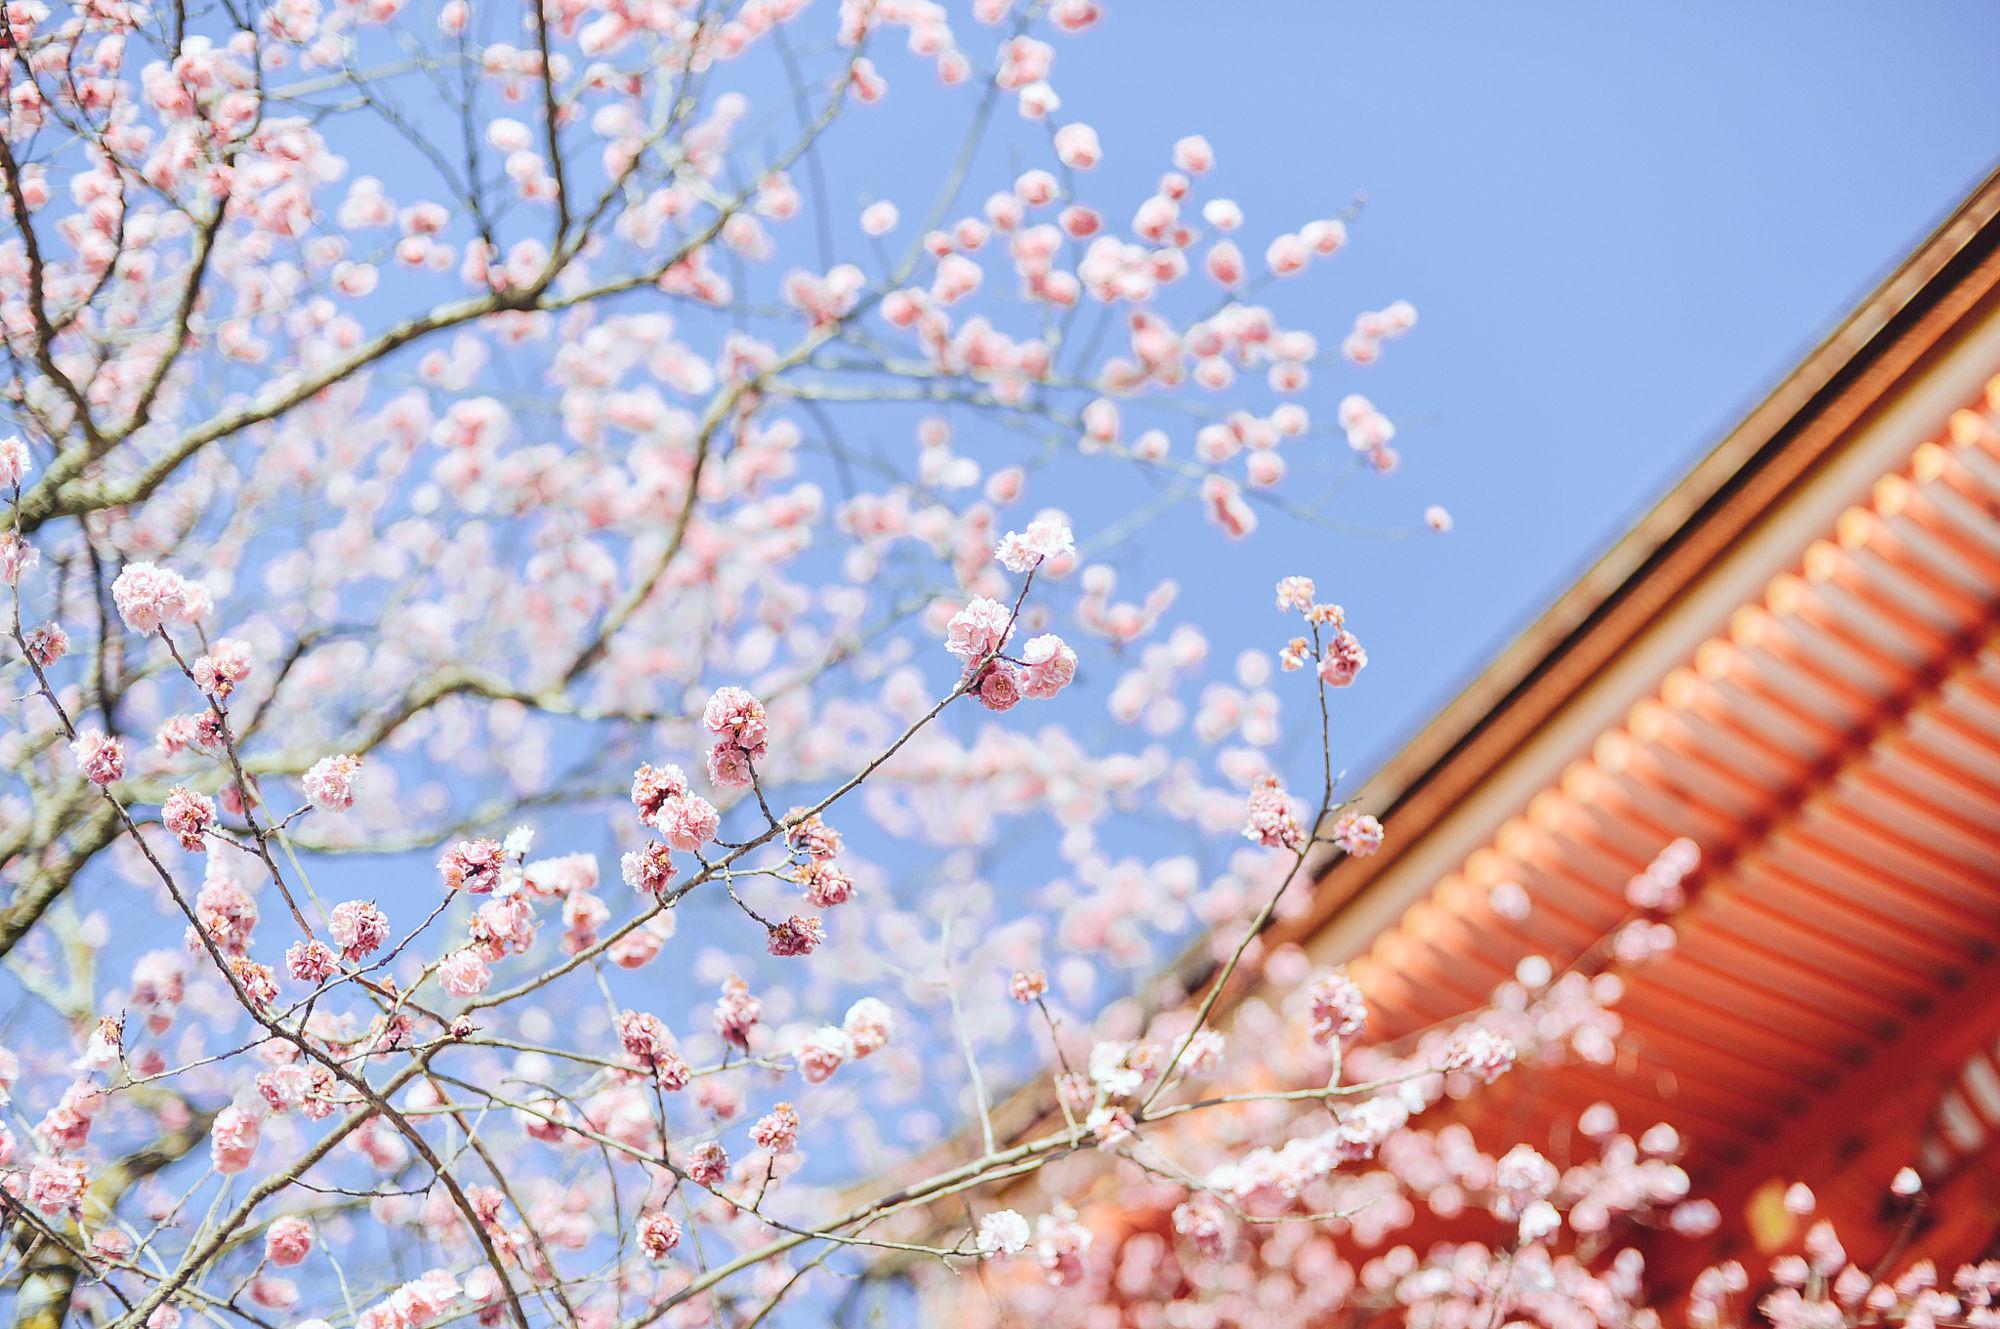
{"points": [[1794, 661]]}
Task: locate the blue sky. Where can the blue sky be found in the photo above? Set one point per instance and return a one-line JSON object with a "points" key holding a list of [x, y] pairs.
{"points": [[1621, 224]]}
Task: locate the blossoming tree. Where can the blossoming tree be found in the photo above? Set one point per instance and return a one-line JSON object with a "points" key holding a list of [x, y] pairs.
{"points": [[461, 446]]}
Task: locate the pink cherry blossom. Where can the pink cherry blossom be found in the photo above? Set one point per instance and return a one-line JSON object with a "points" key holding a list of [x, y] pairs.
{"points": [[1273, 816], [358, 927], [869, 1025], [649, 870], [777, 1131], [233, 1140], [1286, 255], [659, 1232], [879, 218], [1193, 155], [311, 961], [653, 785], [14, 460], [978, 630], [1357, 833], [1339, 1013], [707, 1164], [101, 759], [1000, 686], [471, 865], [1343, 660], [464, 973], [1051, 666], [329, 782], [801, 934], [819, 1054], [47, 643], [1002, 1233], [55, 1184], [150, 598], [737, 1013], [1077, 145], [1045, 538], [226, 663], [687, 822], [652, 1049], [288, 1240], [188, 816]]}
